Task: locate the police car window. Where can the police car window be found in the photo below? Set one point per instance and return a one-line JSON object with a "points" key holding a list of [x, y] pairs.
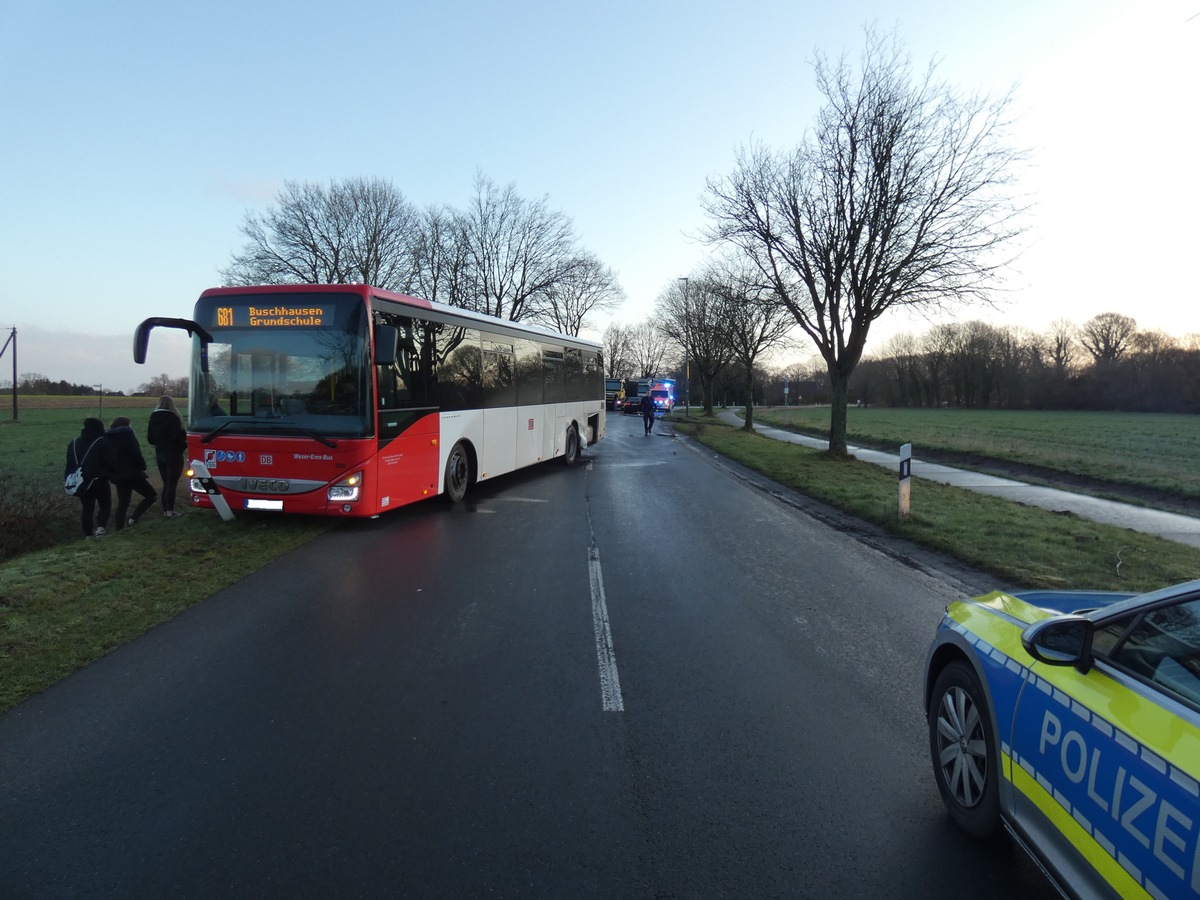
{"points": [[1162, 647]]}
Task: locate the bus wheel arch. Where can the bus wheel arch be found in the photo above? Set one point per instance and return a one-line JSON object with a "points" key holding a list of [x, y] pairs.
{"points": [[460, 471], [571, 445]]}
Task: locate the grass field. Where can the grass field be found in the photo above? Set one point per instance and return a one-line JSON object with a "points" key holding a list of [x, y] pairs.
{"points": [[1153, 450], [37, 440]]}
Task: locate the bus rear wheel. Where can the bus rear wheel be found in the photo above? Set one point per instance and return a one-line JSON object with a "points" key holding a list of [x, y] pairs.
{"points": [[571, 451], [458, 473]]}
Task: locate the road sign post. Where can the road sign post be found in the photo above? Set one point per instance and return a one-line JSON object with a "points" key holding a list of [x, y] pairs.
{"points": [[905, 480]]}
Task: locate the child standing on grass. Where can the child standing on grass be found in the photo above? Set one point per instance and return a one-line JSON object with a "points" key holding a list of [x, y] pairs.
{"points": [[93, 451], [131, 472], [166, 433]]}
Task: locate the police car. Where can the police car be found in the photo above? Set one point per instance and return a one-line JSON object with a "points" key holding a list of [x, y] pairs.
{"points": [[1073, 720]]}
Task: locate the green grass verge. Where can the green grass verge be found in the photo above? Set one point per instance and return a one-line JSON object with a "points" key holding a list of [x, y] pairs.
{"points": [[63, 607], [1024, 546]]}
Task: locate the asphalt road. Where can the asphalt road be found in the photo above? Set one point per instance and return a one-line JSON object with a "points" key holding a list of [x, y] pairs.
{"points": [[642, 677]]}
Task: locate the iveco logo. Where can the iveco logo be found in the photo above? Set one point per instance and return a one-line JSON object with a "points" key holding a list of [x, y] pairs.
{"points": [[265, 485]]}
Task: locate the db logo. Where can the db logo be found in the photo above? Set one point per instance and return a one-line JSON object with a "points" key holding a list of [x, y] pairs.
{"points": [[266, 460]]}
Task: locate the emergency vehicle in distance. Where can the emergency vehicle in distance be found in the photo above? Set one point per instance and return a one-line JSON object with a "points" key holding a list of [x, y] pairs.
{"points": [[1072, 718], [660, 391], [614, 394]]}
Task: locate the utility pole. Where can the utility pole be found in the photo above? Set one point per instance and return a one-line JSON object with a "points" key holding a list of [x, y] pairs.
{"points": [[12, 339]]}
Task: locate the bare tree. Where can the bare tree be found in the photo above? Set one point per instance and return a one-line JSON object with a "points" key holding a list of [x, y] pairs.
{"points": [[520, 250], [899, 197], [358, 230], [1154, 345], [1107, 336], [936, 347], [586, 286], [1018, 357], [441, 260], [689, 314], [752, 320], [648, 346], [164, 384], [903, 355], [973, 362], [618, 351], [1061, 345]]}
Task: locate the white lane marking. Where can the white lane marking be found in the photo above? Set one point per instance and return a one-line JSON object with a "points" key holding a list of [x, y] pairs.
{"points": [[610, 682]]}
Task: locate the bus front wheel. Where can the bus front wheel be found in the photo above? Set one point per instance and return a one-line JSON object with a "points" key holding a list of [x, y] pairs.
{"points": [[571, 451], [458, 473]]}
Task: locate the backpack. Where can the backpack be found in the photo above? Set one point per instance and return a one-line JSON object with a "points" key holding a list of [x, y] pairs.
{"points": [[73, 483]]}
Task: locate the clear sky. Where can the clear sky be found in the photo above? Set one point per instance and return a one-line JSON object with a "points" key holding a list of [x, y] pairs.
{"points": [[136, 135]]}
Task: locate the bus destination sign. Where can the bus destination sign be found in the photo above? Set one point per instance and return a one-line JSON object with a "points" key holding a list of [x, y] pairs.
{"points": [[275, 316]]}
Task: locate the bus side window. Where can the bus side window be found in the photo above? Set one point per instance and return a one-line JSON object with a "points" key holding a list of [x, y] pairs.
{"points": [[529, 373]]}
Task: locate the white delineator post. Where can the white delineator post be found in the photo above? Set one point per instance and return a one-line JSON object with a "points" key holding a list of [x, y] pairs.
{"points": [[200, 471], [905, 479]]}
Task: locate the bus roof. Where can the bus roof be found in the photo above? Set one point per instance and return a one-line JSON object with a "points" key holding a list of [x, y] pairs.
{"points": [[366, 292]]}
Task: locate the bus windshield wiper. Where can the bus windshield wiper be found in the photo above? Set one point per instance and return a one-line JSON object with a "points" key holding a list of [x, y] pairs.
{"points": [[319, 438], [212, 434], [274, 425]]}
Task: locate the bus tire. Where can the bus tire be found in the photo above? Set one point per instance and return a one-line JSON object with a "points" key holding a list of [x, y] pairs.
{"points": [[571, 449], [458, 473]]}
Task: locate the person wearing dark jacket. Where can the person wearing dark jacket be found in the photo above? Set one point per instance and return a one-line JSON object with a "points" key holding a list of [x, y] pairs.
{"points": [[648, 412], [93, 451], [131, 472], [166, 433]]}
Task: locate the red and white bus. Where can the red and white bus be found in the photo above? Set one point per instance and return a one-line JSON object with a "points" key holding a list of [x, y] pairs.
{"points": [[349, 400]]}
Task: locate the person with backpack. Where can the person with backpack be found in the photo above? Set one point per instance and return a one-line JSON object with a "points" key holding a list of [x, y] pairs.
{"points": [[92, 452], [131, 472], [166, 433]]}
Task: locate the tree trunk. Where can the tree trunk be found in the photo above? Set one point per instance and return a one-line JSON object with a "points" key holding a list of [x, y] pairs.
{"points": [[748, 425], [838, 391]]}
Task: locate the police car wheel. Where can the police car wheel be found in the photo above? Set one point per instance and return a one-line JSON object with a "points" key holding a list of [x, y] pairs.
{"points": [[963, 750]]}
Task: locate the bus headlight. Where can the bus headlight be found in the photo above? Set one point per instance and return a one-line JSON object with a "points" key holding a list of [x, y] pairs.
{"points": [[348, 489]]}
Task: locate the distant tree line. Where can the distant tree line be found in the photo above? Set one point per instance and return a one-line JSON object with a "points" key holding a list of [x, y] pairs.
{"points": [[32, 383], [1105, 364]]}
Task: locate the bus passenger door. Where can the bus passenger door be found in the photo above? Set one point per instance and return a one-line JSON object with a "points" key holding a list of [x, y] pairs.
{"points": [[552, 439], [529, 435]]}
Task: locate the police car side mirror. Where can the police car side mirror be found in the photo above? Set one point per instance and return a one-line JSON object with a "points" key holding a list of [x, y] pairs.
{"points": [[1061, 641]]}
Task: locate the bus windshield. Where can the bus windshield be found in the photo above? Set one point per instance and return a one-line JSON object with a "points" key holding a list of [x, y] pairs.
{"points": [[290, 363]]}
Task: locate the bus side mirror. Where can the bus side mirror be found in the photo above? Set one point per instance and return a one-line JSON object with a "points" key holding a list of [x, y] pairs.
{"points": [[387, 339], [141, 337]]}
